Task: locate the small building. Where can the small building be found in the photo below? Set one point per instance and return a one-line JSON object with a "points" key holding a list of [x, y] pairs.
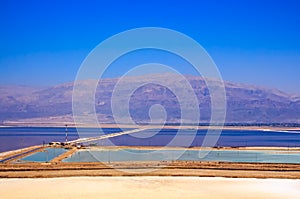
{"points": [[55, 144]]}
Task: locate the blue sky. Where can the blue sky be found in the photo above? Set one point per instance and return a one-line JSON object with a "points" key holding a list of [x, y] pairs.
{"points": [[43, 43]]}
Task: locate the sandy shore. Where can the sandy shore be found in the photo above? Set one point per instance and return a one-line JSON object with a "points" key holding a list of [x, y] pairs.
{"points": [[148, 187]]}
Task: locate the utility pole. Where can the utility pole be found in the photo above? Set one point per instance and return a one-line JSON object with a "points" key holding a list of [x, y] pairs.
{"points": [[66, 133]]}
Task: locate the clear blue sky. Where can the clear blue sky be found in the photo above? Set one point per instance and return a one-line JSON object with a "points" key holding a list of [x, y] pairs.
{"points": [[256, 42]]}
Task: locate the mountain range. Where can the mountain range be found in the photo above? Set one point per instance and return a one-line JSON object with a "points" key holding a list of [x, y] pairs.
{"points": [[245, 103]]}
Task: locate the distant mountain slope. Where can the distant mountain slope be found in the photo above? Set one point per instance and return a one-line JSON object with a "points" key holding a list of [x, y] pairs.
{"points": [[245, 103]]}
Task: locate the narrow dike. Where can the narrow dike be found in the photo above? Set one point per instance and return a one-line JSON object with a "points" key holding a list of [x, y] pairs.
{"points": [[64, 155]]}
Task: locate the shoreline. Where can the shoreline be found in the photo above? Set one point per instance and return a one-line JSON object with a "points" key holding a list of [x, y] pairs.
{"points": [[169, 126], [194, 148]]}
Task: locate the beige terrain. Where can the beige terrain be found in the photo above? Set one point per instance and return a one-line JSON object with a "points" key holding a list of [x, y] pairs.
{"points": [[148, 187]]}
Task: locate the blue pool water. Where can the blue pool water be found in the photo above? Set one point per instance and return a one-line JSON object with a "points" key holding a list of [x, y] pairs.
{"points": [[44, 156], [262, 156]]}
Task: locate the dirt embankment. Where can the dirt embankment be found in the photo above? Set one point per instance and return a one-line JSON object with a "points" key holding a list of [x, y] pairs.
{"points": [[178, 168]]}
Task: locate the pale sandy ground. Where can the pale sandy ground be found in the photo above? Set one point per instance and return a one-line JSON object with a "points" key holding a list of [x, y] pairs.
{"points": [[148, 187]]}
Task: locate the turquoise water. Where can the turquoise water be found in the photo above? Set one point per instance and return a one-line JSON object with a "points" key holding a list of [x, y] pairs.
{"points": [[44, 156], [270, 156]]}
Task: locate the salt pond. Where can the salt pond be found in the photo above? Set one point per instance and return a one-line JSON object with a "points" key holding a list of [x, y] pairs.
{"points": [[44, 156], [116, 155]]}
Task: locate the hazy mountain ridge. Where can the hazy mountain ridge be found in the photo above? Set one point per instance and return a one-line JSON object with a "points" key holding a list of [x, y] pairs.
{"points": [[245, 103]]}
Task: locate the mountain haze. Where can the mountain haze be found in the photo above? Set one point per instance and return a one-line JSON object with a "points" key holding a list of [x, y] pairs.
{"points": [[245, 103]]}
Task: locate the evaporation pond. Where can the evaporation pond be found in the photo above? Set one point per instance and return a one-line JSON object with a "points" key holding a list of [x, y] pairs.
{"points": [[44, 156], [266, 156]]}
